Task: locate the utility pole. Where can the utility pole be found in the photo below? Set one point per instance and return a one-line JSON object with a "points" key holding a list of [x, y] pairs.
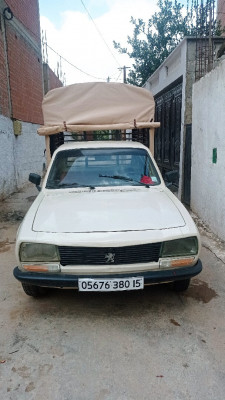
{"points": [[124, 68]]}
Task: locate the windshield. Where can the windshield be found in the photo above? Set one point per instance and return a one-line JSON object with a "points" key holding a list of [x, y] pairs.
{"points": [[102, 167]]}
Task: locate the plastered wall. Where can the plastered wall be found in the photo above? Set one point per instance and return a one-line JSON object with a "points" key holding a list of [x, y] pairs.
{"points": [[208, 149], [19, 155]]}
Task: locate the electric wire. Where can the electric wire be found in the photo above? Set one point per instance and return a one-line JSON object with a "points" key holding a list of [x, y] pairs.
{"points": [[63, 58], [72, 65], [99, 32]]}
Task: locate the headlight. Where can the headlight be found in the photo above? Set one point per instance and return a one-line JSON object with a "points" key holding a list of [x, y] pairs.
{"points": [[38, 252], [180, 247]]}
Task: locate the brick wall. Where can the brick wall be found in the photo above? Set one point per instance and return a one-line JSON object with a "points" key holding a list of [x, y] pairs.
{"points": [[221, 11], [27, 12], [54, 81], [24, 62], [4, 100], [25, 67], [51, 81], [20, 55]]}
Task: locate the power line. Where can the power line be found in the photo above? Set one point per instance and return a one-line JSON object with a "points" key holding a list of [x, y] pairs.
{"points": [[61, 57], [100, 33], [72, 65], [118, 76]]}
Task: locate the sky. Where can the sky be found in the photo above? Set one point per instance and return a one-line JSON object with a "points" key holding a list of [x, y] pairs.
{"points": [[82, 32]]}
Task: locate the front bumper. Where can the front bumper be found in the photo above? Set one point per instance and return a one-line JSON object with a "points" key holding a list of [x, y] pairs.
{"points": [[71, 281]]}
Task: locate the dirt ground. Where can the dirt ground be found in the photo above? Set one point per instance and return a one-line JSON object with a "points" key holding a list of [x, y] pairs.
{"points": [[152, 344]]}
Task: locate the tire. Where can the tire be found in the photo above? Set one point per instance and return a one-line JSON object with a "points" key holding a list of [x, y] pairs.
{"points": [[181, 286], [34, 291]]}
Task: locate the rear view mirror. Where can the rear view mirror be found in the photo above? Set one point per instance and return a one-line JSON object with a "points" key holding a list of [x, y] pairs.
{"points": [[172, 180], [36, 179]]}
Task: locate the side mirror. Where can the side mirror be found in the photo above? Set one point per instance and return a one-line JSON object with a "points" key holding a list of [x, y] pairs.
{"points": [[36, 179], [172, 180]]}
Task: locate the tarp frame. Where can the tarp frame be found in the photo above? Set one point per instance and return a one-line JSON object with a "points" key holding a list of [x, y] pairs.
{"points": [[98, 106]]}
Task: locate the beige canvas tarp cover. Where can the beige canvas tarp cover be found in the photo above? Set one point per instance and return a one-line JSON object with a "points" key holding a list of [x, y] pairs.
{"points": [[97, 106]]}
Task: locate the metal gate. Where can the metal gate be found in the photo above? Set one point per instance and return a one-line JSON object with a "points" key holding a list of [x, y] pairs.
{"points": [[167, 137], [136, 135], [187, 166]]}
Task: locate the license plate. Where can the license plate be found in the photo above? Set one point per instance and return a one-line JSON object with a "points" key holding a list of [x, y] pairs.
{"points": [[110, 285]]}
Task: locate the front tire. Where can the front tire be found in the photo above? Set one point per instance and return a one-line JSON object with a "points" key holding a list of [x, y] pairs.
{"points": [[181, 286], [34, 291]]}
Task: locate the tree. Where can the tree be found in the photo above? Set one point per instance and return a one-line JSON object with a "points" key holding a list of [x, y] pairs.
{"points": [[154, 40]]}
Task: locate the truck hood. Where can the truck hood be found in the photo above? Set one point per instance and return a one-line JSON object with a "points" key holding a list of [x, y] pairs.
{"points": [[107, 211]]}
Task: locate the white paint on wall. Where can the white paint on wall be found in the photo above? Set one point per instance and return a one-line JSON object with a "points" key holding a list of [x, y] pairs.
{"points": [[208, 133], [7, 167], [29, 152], [169, 71], [19, 155]]}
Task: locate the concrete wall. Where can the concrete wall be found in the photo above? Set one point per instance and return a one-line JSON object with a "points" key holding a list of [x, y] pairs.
{"points": [[19, 155], [208, 133], [169, 71], [7, 172]]}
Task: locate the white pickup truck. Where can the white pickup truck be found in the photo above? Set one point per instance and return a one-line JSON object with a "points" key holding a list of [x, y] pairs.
{"points": [[104, 220]]}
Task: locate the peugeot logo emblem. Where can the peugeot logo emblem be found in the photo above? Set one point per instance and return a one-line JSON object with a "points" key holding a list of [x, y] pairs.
{"points": [[110, 257]]}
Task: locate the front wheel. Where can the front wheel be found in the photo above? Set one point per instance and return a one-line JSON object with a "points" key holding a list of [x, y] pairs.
{"points": [[34, 291], [181, 286]]}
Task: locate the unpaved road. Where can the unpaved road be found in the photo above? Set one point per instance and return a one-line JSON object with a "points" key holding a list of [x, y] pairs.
{"points": [[153, 344]]}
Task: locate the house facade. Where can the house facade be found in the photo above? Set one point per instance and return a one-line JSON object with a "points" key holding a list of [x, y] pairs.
{"points": [[21, 93], [171, 84]]}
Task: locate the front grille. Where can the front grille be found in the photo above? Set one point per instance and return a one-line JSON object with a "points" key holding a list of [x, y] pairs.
{"points": [[144, 253]]}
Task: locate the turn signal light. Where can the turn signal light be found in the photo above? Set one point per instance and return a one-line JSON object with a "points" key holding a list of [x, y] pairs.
{"points": [[36, 268], [182, 262], [41, 268]]}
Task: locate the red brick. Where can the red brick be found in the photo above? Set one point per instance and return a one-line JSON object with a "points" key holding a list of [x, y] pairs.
{"points": [[25, 78], [54, 81], [27, 12], [4, 100], [24, 63], [221, 12]]}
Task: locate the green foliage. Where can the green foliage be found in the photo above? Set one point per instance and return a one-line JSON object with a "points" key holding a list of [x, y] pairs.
{"points": [[154, 40]]}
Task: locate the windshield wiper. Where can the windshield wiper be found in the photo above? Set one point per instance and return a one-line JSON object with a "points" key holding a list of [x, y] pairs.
{"points": [[68, 185], [75, 184], [124, 178]]}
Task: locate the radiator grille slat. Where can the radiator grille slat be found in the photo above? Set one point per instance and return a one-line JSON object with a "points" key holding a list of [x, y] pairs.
{"points": [[144, 253]]}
